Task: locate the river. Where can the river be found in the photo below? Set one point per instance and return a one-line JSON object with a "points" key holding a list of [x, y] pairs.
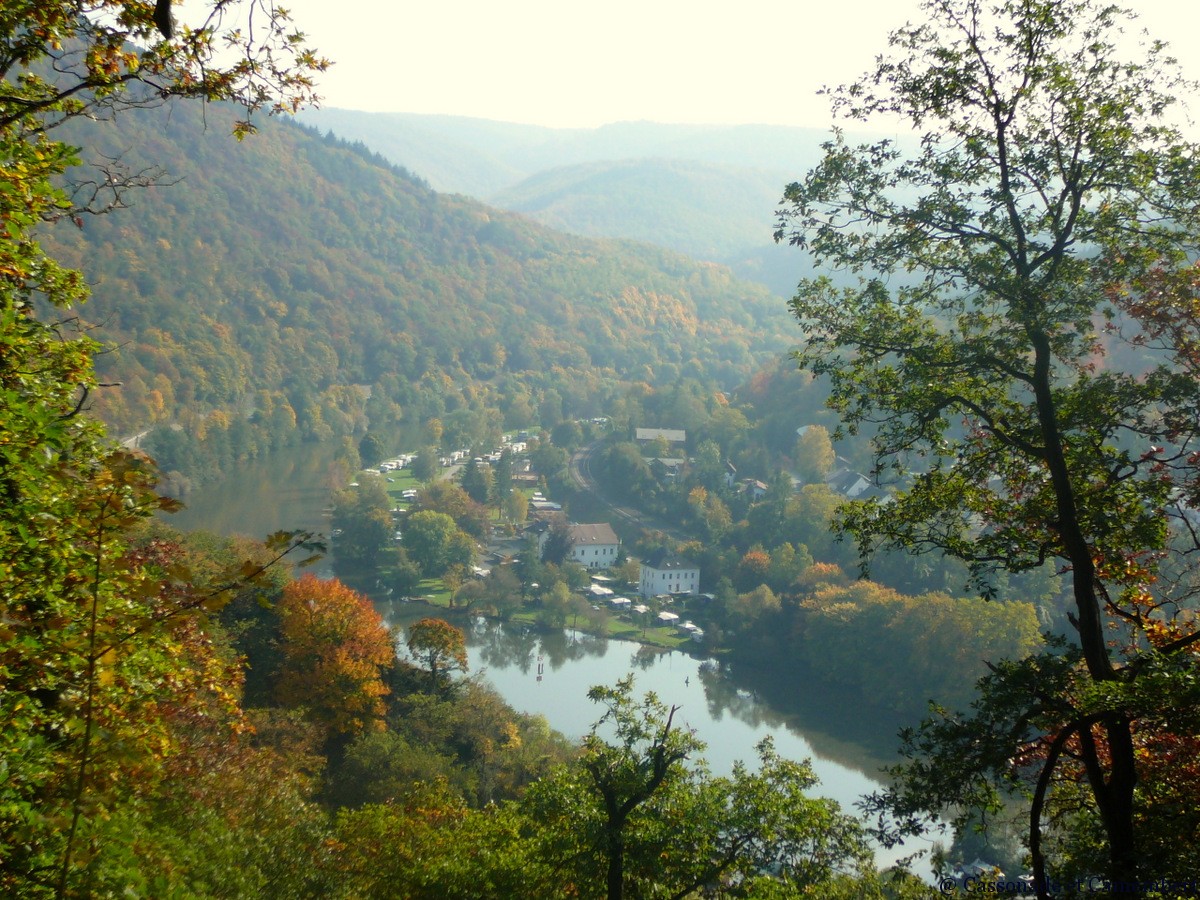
{"points": [[550, 673], [284, 491], [731, 710]]}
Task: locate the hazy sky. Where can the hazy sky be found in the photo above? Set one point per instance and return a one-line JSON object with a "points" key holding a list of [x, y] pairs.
{"points": [[566, 63]]}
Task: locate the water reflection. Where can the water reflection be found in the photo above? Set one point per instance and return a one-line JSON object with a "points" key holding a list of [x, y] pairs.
{"points": [[289, 489], [724, 696], [562, 647], [496, 646], [644, 657]]}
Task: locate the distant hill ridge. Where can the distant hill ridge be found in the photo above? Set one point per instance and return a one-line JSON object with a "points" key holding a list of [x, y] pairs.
{"points": [[709, 191], [504, 153]]}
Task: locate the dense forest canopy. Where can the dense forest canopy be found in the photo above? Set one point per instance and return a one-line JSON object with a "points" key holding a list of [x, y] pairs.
{"points": [[704, 190]]}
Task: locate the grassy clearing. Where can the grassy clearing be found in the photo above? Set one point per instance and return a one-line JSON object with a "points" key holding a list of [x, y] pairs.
{"points": [[434, 592], [655, 636], [399, 481]]}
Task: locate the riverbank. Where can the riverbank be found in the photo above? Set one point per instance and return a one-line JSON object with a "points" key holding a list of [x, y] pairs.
{"points": [[548, 672], [435, 596]]}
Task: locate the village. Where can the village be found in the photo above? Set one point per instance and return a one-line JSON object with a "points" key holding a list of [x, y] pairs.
{"points": [[656, 600]]}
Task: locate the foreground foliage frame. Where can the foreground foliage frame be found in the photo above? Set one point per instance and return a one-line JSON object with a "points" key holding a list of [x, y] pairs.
{"points": [[1022, 344]]}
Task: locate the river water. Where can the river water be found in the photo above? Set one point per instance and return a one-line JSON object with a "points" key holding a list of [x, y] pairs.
{"points": [[730, 709], [550, 673], [285, 491]]}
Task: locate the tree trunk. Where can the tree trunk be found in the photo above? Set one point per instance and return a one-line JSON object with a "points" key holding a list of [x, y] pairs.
{"points": [[616, 868], [1114, 794]]}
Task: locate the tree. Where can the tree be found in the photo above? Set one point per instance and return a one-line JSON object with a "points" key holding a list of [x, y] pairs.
{"points": [[434, 543], [753, 568], [567, 434], [626, 775], [99, 644], [708, 466], [728, 427], [425, 465], [433, 430], [710, 511], [447, 497], [371, 449], [639, 814], [1048, 191], [335, 651], [415, 848], [502, 588], [228, 813], [756, 606], [629, 571], [439, 647], [468, 594], [363, 516], [555, 604], [502, 475], [528, 564], [515, 507], [133, 60], [560, 543], [548, 460], [787, 564], [627, 470], [814, 454], [406, 577], [550, 409], [659, 447], [477, 481], [927, 647], [384, 767]]}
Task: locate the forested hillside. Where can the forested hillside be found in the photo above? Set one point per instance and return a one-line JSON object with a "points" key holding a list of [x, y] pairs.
{"points": [[709, 191], [291, 278], [179, 717]]}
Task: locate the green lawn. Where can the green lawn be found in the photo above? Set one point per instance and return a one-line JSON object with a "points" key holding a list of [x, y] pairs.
{"points": [[401, 480], [433, 592], [655, 636]]}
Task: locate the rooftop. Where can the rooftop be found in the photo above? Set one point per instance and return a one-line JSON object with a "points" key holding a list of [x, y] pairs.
{"points": [[601, 533]]}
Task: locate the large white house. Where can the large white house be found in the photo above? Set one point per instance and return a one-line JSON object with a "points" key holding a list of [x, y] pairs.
{"points": [[665, 574], [594, 546]]}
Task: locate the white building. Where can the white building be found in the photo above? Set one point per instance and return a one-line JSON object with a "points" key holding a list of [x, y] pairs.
{"points": [[664, 574], [594, 546]]}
